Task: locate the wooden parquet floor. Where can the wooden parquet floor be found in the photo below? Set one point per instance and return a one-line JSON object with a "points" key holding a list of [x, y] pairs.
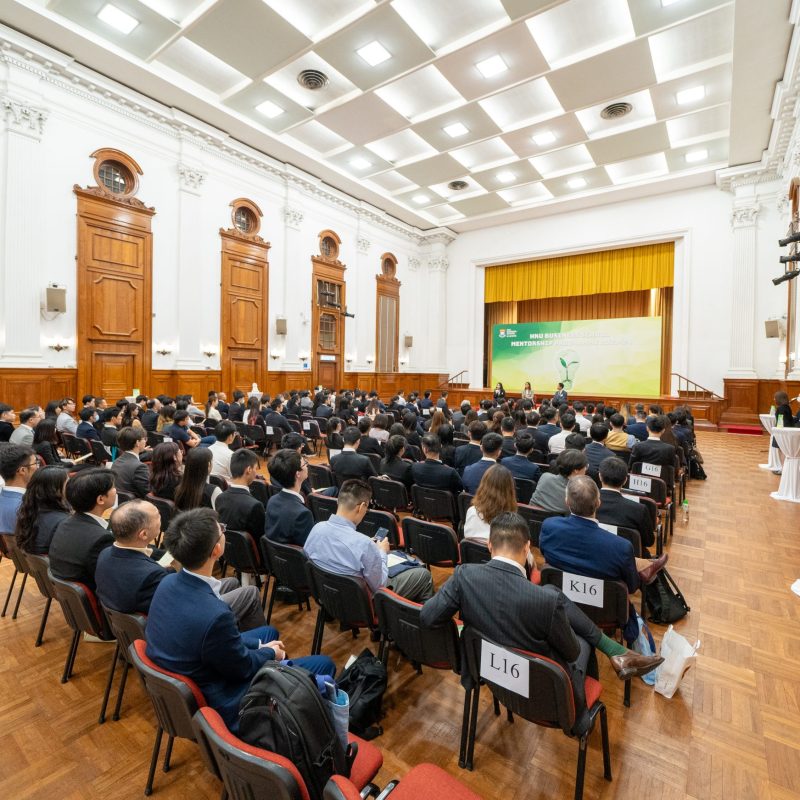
{"points": [[732, 731]]}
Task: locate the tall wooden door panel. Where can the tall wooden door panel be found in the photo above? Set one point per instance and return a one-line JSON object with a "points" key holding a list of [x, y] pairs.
{"points": [[117, 373]]}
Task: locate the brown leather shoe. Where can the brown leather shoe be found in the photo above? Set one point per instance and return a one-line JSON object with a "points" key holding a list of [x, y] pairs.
{"points": [[648, 575], [632, 664]]}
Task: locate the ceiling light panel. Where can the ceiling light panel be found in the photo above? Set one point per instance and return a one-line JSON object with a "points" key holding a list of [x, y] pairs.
{"points": [[716, 153], [117, 19], [577, 183], [318, 137], [234, 31], [189, 59], [578, 29], [494, 65], [456, 130], [374, 53], [446, 25], [583, 183], [566, 129], [364, 119], [522, 171], [638, 169], [505, 177], [716, 83], [402, 148], [686, 97], [247, 100], [563, 162], [596, 126], [285, 81], [484, 155], [478, 123], [523, 105], [701, 126], [359, 162], [320, 18], [383, 25], [526, 195], [700, 43], [422, 94], [269, 109], [696, 156]]}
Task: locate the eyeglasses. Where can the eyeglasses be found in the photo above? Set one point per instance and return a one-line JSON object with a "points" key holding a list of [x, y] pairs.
{"points": [[33, 465], [303, 463], [222, 528]]}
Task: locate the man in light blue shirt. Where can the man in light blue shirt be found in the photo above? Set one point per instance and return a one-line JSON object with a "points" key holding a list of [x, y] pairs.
{"points": [[336, 546], [17, 465]]}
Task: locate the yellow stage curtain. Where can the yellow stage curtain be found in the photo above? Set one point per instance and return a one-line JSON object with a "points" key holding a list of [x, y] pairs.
{"points": [[628, 269]]}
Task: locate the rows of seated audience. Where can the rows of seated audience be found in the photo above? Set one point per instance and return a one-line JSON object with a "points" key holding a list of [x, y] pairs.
{"points": [[104, 528]]}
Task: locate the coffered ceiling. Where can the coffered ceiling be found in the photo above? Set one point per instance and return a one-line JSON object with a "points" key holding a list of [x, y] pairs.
{"points": [[449, 112]]}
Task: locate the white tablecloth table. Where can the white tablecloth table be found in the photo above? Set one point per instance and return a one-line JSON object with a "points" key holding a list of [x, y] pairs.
{"points": [[774, 461], [788, 440]]}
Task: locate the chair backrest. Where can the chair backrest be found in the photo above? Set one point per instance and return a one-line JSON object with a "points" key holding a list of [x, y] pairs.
{"points": [[525, 488], [389, 494], [464, 501], [435, 544], [74, 445], [647, 486], [154, 438], [13, 552], [311, 428], [340, 788], [434, 503], [218, 480], [262, 491], [474, 551], [99, 453], [535, 517], [175, 698], [254, 432], [343, 597], [288, 564], [241, 552], [398, 619], [414, 453], [375, 519], [166, 508], [550, 699], [321, 506], [614, 611], [375, 459], [320, 476], [647, 502], [322, 424], [127, 628], [125, 497], [38, 567], [665, 473], [81, 609], [246, 771], [626, 533]]}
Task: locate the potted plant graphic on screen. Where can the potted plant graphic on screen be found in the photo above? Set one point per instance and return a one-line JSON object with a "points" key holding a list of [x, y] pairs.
{"points": [[567, 363]]}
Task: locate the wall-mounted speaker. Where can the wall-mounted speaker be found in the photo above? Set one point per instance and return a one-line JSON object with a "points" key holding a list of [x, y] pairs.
{"points": [[280, 326], [409, 341], [56, 299], [773, 328]]}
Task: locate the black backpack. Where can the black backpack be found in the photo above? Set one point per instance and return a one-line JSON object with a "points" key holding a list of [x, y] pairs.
{"points": [[283, 712], [665, 601], [365, 682]]}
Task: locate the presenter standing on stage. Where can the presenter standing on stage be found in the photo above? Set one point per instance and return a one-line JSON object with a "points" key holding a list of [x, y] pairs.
{"points": [[527, 392], [499, 393]]}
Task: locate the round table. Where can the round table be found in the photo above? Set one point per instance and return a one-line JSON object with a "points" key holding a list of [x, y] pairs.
{"points": [[773, 462], [788, 440]]}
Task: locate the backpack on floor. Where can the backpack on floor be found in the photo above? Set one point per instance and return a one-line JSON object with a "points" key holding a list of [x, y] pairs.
{"points": [[696, 470], [284, 712], [365, 682], [665, 602]]}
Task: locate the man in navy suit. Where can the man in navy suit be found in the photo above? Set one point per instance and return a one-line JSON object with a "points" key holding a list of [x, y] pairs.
{"points": [[86, 429], [237, 508], [467, 454], [519, 465], [288, 520], [491, 445], [616, 509], [431, 472], [596, 452], [546, 429], [191, 631], [638, 427], [560, 396]]}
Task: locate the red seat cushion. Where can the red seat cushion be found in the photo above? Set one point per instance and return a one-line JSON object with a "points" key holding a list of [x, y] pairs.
{"points": [[429, 781], [368, 761], [593, 689], [346, 788]]}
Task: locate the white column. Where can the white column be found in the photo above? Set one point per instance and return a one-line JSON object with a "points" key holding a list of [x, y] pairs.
{"points": [[360, 332], [411, 316], [21, 250], [743, 285], [296, 263], [436, 292]]}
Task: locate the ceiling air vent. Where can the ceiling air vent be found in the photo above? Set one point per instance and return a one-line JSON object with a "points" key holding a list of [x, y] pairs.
{"points": [[457, 186], [616, 110], [312, 79]]}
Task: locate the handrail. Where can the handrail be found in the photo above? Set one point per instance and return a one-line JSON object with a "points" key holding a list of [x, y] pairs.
{"points": [[452, 379], [695, 388]]}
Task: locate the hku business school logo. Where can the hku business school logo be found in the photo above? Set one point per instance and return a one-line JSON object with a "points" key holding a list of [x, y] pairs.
{"points": [[507, 333]]}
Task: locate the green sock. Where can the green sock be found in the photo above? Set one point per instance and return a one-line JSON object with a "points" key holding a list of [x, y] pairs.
{"points": [[609, 647]]}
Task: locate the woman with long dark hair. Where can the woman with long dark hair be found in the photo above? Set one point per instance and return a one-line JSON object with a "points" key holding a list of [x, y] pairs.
{"points": [[379, 428], [42, 510], [194, 490], [333, 438], [167, 466], [448, 451], [252, 414], [45, 443], [392, 464], [52, 409], [437, 419], [496, 494]]}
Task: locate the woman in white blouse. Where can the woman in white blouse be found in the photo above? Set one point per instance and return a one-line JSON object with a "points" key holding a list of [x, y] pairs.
{"points": [[496, 494], [527, 392]]}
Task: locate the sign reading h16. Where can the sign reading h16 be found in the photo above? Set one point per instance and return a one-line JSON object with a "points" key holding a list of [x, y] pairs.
{"points": [[582, 590], [639, 483], [505, 668]]}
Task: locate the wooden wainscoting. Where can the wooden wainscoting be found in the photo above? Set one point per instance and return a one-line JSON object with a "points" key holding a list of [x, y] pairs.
{"points": [[195, 382], [747, 398], [22, 387]]}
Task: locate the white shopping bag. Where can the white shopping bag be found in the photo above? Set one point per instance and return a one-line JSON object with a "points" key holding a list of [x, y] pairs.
{"points": [[678, 656]]}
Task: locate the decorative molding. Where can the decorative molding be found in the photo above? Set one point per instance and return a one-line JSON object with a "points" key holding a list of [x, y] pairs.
{"points": [[745, 216], [191, 178], [96, 191], [24, 118], [363, 245], [293, 217], [783, 205], [413, 264], [235, 233], [438, 264]]}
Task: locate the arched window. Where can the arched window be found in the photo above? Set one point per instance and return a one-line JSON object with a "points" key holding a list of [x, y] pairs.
{"points": [[387, 315]]}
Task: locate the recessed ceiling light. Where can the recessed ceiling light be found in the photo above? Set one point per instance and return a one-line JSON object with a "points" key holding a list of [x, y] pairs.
{"points": [[686, 96], [455, 130], [360, 163], [117, 18], [269, 109], [576, 183], [505, 177], [544, 138], [491, 66], [421, 199], [665, 3], [693, 156], [374, 53]]}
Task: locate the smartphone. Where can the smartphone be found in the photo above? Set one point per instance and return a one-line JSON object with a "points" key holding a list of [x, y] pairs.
{"points": [[381, 534]]}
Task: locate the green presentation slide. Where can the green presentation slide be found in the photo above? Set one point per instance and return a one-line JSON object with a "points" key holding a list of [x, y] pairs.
{"points": [[592, 356]]}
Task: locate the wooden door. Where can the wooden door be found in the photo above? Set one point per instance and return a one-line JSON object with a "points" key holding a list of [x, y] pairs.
{"points": [[114, 263], [328, 306], [327, 372]]}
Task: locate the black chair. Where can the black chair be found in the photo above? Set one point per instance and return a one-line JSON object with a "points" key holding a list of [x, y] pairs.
{"points": [[436, 545], [218, 480], [262, 491], [389, 494], [8, 543], [655, 516], [154, 438], [375, 519], [434, 504], [256, 438], [75, 447], [241, 553], [320, 476], [611, 617], [83, 615], [322, 424], [166, 508], [99, 453], [535, 516], [550, 702], [126, 629], [312, 432], [341, 597], [39, 566], [398, 620], [464, 501], [124, 497], [322, 506], [287, 563], [659, 489], [175, 700], [525, 489], [474, 551]]}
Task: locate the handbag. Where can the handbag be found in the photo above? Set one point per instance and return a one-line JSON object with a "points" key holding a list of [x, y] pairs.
{"points": [[665, 600], [678, 655]]}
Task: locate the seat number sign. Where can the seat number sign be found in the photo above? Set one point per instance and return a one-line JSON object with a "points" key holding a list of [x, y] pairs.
{"points": [[639, 483], [651, 469], [582, 590], [505, 668]]}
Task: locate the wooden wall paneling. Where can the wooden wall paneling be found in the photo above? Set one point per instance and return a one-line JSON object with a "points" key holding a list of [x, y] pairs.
{"points": [[22, 387], [327, 363], [742, 401], [196, 382]]}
